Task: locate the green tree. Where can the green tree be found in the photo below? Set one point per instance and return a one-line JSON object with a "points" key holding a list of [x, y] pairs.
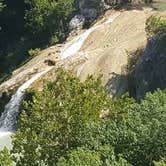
{"points": [[48, 18], [81, 157], [54, 121], [160, 163], [5, 158], [136, 131], [104, 156], [155, 24], [1, 5], [61, 126]]}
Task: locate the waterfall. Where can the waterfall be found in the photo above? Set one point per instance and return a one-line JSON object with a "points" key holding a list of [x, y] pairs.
{"points": [[9, 116], [75, 45]]}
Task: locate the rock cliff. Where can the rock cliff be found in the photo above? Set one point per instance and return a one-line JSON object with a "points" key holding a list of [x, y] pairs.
{"points": [[104, 52], [151, 68]]}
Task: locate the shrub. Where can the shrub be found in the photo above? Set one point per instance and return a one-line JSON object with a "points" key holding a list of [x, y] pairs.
{"points": [[160, 163], [5, 158], [53, 122], [104, 156], [54, 40], [61, 126], [46, 18], [34, 52], [155, 24], [1, 5]]}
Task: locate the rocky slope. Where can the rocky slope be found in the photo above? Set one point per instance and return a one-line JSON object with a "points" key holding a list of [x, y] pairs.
{"points": [[104, 52]]}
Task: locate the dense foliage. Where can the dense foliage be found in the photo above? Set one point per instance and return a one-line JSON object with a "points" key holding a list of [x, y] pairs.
{"points": [[155, 24], [57, 119], [30, 24], [5, 158], [74, 123], [66, 125], [160, 163], [156, 28], [47, 18], [1, 6]]}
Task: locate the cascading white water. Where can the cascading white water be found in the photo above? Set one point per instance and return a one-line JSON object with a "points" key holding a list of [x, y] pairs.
{"points": [[74, 46], [9, 116]]}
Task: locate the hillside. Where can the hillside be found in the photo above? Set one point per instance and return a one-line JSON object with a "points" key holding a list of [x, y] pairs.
{"points": [[104, 52], [88, 87]]}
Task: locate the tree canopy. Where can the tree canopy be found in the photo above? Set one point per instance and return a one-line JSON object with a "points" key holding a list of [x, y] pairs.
{"points": [[30, 24], [57, 118], [1, 6], [62, 125]]}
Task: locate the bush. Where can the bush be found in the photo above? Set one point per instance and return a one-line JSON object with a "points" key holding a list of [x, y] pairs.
{"points": [[160, 163], [54, 40], [46, 18], [155, 24], [34, 52], [80, 157], [5, 158], [61, 126], [136, 131], [104, 156], [1, 5], [53, 122]]}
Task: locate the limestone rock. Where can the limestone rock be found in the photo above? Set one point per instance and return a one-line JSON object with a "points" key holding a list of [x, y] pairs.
{"points": [[90, 9], [77, 22]]}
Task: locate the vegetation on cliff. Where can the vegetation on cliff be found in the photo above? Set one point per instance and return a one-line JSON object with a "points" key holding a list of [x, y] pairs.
{"points": [[155, 24], [74, 123], [1, 6], [26, 25], [30, 24], [68, 123]]}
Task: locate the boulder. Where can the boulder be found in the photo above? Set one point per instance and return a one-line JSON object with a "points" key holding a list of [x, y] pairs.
{"points": [[77, 22], [90, 9]]}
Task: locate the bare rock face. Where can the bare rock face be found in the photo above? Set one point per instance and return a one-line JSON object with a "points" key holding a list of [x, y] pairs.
{"points": [[77, 22], [90, 9], [151, 69], [106, 47]]}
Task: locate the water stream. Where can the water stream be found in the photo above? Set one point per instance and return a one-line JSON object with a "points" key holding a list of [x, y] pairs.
{"points": [[10, 114], [75, 45]]}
